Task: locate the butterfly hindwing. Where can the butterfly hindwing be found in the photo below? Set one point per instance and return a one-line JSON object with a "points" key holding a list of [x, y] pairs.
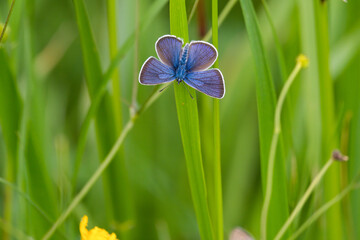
{"points": [[201, 56], [210, 82], [155, 72], [168, 49]]}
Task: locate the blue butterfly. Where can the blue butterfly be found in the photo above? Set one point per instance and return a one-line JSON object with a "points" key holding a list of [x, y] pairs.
{"points": [[188, 64]]}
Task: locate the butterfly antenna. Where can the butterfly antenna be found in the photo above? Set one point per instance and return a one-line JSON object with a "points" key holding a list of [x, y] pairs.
{"points": [[164, 88], [187, 90]]}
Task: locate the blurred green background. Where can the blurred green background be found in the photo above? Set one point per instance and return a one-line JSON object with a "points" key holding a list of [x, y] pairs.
{"points": [[45, 94]]}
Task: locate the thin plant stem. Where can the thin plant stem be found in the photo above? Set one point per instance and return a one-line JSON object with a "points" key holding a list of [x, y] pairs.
{"points": [[115, 78], [324, 208], [104, 164], [136, 61], [116, 108], [8, 202], [92, 180], [301, 62], [24, 127], [224, 13], [145, 22], [50, 56], [280, 53], [7, 20], [304, 198], [193, 10], [216, 166]]}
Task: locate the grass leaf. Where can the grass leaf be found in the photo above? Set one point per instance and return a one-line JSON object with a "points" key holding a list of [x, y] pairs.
{"points": [[266, 108], [10, 112], [189, 129], [115, 176], [328, 124], [215, 191]]}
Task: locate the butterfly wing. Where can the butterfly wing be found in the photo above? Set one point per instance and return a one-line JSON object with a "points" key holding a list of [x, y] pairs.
{"points": [[155, 72], [201, 56], [168, 49], [210, 82]]}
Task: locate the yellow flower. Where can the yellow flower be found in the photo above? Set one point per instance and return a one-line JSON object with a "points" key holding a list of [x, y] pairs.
{"points": [[95, 233], [302, 60]]}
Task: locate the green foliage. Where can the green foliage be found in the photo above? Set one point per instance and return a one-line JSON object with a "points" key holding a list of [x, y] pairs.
{"points": [[265, 92], [115, 177], [82, 139], [189, 129]]}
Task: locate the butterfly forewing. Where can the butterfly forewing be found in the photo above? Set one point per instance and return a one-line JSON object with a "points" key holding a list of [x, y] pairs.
{"points": [[168, 49], [210, 82], [155, 72], [201, 56]]}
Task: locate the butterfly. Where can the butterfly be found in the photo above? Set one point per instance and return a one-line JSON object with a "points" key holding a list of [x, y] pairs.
{"points": [[188, 64]]}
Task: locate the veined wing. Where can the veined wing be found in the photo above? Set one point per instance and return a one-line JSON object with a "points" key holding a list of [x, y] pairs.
{"points": [[210, 82], [201, 56], [168, 49], [155, 72]]}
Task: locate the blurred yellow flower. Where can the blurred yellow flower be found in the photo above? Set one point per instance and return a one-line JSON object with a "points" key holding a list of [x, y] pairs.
{"points": [[95, 233], [302, 60]]}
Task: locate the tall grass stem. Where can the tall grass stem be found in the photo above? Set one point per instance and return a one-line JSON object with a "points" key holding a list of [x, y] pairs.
{"points": [[189, 128], [224, 13], [324, 209], [216, 197], [304, 198], [274, 141], [7, 20], [113, 40], [92, 180], [136, 61], [104, 164]]}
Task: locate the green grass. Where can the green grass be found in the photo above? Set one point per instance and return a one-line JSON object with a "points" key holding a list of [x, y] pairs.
{"points": [[80, 136], [273, 211], [120, 208], [189, 129], [215, 190]]}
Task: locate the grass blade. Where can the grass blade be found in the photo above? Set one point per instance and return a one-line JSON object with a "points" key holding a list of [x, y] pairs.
{"points": [[215, 191], [112, 32], [115, 177], [189, 129], [10, 112], [145, 22], [33, 176], [329, 138], [353, 186], [266, 108], [354, 153], [104, 164], [154, 10], [302, 62], [3, 29]]}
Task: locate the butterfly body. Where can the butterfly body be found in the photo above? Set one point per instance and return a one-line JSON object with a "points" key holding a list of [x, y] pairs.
{"points": [[189, 64], [181, 72]]}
